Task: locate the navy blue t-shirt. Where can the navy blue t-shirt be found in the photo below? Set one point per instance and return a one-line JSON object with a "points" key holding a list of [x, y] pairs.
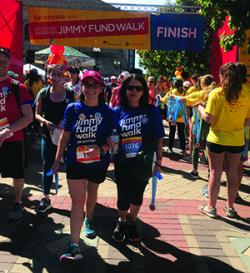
{"points": [[137, 126], [88, 126]]}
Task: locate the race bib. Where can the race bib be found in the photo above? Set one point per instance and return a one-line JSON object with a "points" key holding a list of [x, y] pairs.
{"points": [[131, 146], [83, 154], [4, 123]]}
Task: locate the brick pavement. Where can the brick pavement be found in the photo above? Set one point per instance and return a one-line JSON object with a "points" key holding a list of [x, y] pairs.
{"points": [[176, 237]]}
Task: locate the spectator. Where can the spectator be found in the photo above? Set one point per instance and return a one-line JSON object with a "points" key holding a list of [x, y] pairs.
{"points": [[109, 88], [114, 101], [50, 106], [74, 83], [228, 111], [15, 115]]}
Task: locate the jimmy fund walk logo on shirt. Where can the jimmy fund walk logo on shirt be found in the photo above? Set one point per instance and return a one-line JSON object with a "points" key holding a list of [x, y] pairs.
{"points": [[86, 128], [131, 134]]}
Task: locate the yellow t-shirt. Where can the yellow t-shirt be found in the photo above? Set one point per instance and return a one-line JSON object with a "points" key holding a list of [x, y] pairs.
{"points": [[176, 93], [227, 126], [191, 90]]}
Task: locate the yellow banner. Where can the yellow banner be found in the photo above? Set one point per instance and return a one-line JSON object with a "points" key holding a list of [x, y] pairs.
{"points": [[244, 55], [87, 28]]}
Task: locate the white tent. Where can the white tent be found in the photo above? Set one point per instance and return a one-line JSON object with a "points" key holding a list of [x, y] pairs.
{"points": [[28, 67]]}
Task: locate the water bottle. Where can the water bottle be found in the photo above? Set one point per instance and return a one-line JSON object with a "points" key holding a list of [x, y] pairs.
{"points": [[115, 139]]}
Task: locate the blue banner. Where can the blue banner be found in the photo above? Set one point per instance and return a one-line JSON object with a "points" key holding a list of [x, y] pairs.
{"points": [[177, 32]]}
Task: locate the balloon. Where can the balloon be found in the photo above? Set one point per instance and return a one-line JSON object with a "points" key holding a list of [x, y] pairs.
{"points": [[56, 55]]}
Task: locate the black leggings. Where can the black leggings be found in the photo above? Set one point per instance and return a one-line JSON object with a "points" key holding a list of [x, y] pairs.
{"points": [[181, 134], [130, 190]]}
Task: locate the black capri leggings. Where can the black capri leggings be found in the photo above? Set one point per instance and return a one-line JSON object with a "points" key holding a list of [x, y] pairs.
{"points": [[130, 190]]}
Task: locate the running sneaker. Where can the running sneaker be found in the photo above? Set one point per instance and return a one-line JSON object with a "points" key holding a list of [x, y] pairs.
{"points": [[230, 212], [132, 232], [195, 174], [16, 211], [210, 212], [89, 229], [44, 205], [120, 232], [72, 253]]}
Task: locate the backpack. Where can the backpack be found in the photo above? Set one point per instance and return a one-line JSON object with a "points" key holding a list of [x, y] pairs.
{"points": [[45, 95]]}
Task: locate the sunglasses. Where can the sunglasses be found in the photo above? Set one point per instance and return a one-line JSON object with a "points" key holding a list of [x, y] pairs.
{"points": [[134, 87], [93, 85]]}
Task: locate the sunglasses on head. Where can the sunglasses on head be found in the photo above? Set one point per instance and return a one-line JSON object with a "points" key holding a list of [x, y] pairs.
{"points": [[91, 85], [134, 87]]}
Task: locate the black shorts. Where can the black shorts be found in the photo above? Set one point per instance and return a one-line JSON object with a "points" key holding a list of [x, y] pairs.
{"points": [[218, 149], [12, 159], [81, 171]]}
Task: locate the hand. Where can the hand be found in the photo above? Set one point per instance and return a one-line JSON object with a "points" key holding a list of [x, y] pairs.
{"points": [[4, 134], [156, 169], [50, 125], [55, 166], [94, 151], [110, 144]]}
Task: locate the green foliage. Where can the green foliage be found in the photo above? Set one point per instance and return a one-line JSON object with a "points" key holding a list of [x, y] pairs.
{"points": [[239, 19]]}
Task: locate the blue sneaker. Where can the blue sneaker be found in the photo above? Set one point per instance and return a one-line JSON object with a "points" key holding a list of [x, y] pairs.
{"points": [[89, 229], [72, 253]]}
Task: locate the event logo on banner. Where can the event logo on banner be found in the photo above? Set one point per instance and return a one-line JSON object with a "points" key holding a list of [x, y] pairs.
{"points": [[84, 28], [177, 32]]}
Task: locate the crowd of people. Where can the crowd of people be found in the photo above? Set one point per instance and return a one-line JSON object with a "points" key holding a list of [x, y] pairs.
{"points": [[77, 119]]}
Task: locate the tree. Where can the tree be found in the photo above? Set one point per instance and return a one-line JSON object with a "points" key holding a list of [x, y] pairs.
{"points": [[238, 12]]}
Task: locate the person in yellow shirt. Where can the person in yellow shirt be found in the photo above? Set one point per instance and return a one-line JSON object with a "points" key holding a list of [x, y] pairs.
{"points": [[176, 91], [228, 111], [244, 156], [34, 84], [195, 85]]}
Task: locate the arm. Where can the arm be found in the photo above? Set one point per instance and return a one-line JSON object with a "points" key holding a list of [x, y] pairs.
{"points": [[38, 114], [205, 116], [158, 162], [63, 143], [25, 120]]}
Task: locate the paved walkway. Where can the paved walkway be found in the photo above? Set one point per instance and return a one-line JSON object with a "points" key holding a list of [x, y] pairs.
{"points": [[176, 237]]}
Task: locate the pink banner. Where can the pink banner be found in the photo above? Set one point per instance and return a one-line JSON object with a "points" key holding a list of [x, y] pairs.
{"points": [[218, 55], [11, 33]]}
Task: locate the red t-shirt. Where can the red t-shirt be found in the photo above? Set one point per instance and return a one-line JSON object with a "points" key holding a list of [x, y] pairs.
{"points": [[9, 110]]}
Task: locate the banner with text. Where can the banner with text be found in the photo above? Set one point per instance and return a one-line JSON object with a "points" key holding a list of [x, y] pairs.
{"points": [[177, 32], [85, 28]]}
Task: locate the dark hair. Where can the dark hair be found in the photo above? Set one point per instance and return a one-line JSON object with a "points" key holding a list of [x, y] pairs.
{"points": [[184, 75], [243, 72], [101, 99], [195, 77], [123, 100], [178, 84], [33, 77], [230, 81], [207, 79]]}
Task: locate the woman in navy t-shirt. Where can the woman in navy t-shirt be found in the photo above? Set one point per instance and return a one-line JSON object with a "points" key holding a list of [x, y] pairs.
{"points": [[87, 126], [139, 125]]}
